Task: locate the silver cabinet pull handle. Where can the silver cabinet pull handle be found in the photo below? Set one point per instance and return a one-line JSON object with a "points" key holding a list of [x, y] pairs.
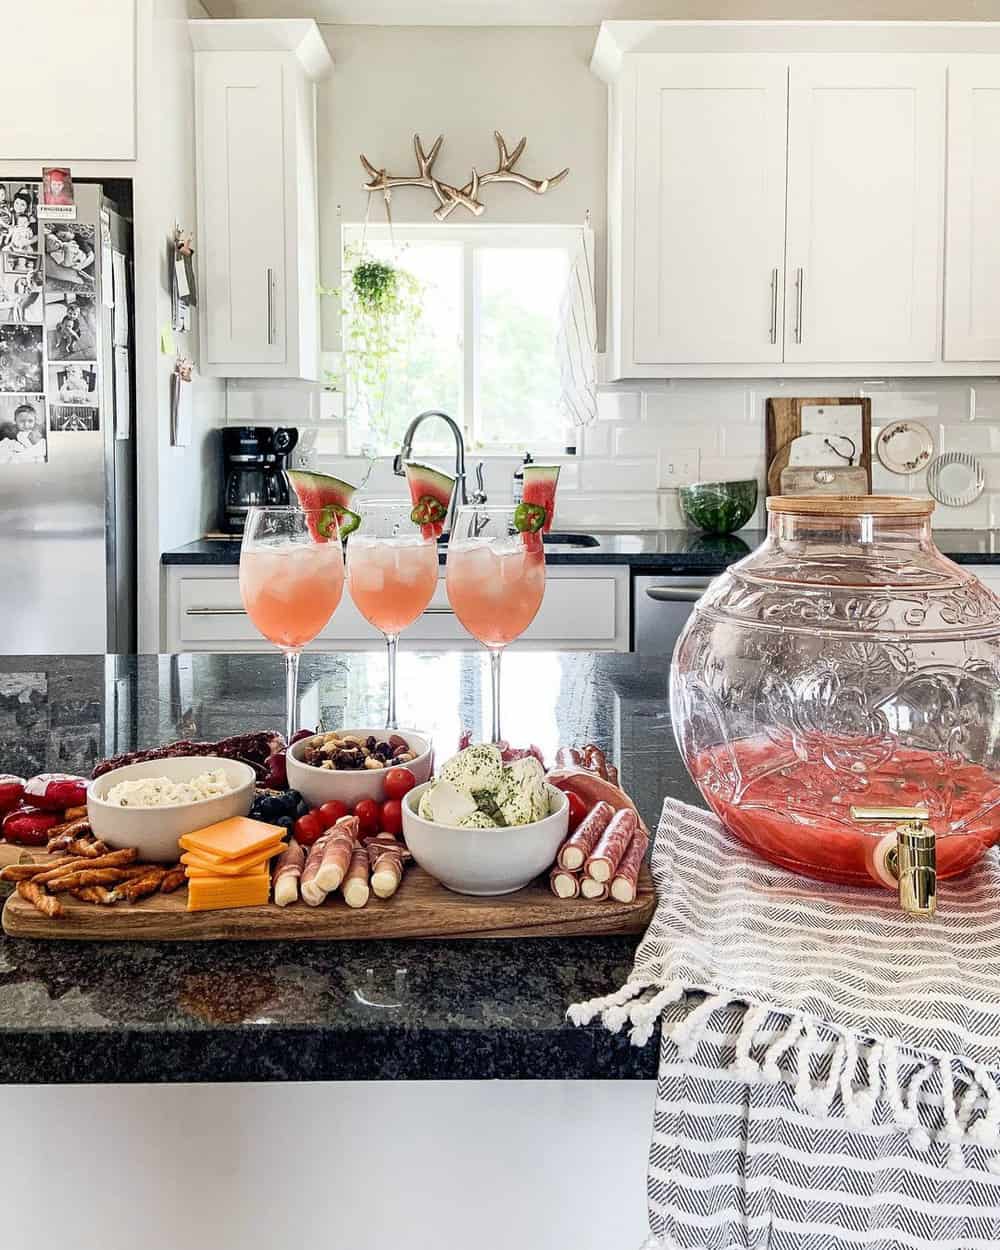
{"points": [[270, 307], [675, 594], [215, 612], [774, 305], [799, 284], [439, 611]]}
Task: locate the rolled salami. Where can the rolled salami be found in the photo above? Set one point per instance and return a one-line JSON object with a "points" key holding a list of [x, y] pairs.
{"points": [[310, 890], [625, 884], [337, 856], [574, 851], [607, 854], [355, 888], [564, 884], [595, 759], [287, 872], [593, 890]]}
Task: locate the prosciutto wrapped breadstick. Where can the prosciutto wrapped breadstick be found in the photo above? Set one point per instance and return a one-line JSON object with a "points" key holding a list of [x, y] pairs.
{"points": [[355, 888], [386, 857], [564, 884], [568, 757], [310, 890], [287, 872], [625, 883], [593, 890], [607, 854], [342, 838], [592, 789], [35, 895], [574, 851]]}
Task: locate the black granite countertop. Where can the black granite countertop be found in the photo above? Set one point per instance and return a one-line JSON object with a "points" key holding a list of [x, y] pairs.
{"points": [[662, 550], [117, 1012]]}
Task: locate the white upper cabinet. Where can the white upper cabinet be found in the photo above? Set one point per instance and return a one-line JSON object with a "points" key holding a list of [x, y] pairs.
{"points": [[709, 212], [256, 141], [972, 253], [865, 197]]}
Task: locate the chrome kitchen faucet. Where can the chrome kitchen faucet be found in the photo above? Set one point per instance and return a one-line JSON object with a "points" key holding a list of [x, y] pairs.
{"points": [[460, 495]]}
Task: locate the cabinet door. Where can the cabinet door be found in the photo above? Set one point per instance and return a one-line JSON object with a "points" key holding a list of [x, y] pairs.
{"points": [[709, 177], [865, 187], [242, 170], [972, 254]]}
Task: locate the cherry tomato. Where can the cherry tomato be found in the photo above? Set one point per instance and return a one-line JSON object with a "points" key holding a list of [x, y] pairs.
{"points": [[331, 812], [308, 828], [398, 781], [577, 809], [369, 817], [392, 816]]}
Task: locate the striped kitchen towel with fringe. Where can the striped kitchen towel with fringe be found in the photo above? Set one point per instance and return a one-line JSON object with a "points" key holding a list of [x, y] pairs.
{"points": [[829, 1067]]}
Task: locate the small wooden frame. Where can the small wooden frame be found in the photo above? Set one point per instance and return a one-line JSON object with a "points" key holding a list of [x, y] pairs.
{"points": [[784, 423]]}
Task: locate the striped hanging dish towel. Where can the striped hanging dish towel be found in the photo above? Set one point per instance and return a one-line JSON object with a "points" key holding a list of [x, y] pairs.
{"points": [[829, 1067], [577, 338]]}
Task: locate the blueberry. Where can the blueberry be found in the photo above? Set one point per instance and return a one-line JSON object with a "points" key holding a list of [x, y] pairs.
{"points": [[286, 822]]}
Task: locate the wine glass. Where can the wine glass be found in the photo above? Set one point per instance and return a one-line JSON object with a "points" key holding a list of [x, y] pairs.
{"points": [[291, 580], [496, 579], [392, 571]]}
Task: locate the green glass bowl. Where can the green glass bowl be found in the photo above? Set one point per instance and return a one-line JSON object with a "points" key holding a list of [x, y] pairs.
{"points": [[719, 507]]}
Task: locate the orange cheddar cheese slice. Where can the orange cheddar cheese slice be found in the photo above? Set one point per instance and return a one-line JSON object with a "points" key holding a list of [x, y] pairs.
{"points": [[218, 893], [232, 839], [213, 867], [256, 870]]}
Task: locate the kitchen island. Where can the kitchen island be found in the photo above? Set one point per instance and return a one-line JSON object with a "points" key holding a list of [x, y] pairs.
{"points": [[224, 1012]]}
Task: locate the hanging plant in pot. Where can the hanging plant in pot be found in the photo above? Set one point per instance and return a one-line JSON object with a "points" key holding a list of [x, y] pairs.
{"points": [[381, 306]]}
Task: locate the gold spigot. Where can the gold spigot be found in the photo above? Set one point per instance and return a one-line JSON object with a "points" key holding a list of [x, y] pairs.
{"points": [[913, 861]]}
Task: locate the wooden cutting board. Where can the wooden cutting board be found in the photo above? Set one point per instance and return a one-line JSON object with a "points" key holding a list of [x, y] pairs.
{"points": [[421, 908]]}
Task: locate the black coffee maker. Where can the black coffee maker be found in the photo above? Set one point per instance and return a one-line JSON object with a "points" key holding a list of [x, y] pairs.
{"points": [[254, 462]]}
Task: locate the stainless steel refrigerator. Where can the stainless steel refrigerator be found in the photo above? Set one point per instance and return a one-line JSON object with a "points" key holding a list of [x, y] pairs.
{"points": [[67, 439]]}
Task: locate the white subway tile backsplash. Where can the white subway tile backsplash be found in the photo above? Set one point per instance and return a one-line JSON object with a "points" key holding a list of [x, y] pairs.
{"points": [[615, 405], [637, 440], [628, 510], [619, 475], [696, 404]]}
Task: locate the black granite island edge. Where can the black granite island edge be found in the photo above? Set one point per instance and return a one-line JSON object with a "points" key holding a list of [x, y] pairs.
{"points": [[113, 1012], [680, 551]]}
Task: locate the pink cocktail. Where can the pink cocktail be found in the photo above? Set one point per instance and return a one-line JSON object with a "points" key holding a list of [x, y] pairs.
{"points": [[392, 580], [290, 591], [496, 581], [496, 590]]}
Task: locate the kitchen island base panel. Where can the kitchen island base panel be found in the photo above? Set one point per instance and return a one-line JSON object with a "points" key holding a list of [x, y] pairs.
{"points": [[421, 908]]}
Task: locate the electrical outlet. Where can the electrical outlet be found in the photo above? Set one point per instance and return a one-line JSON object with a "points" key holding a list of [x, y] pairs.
{"points": [[678, 467]]}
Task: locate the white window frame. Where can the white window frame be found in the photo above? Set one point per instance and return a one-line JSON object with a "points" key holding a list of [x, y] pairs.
{"points": [[470, 238]]}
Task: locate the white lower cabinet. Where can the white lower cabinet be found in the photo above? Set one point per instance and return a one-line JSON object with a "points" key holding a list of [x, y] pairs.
{"points": [[586, 608]]}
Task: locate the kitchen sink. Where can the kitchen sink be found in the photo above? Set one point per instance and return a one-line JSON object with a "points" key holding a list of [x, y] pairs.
{"points": [[555, 539]]}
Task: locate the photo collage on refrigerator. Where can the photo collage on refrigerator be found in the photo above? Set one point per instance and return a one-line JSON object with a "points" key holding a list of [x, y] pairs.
{"points": [[48, 327]]}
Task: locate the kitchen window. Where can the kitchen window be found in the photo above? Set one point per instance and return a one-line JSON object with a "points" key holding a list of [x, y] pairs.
{"points": [[483, 345]]}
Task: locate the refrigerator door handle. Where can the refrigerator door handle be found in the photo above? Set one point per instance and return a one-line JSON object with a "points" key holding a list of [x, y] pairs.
{"points": [[675, 594], [215, 612], [270, 307]]}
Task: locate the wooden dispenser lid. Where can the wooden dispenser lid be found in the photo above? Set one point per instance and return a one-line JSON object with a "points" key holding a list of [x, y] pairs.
{"points": [[850, 505]]}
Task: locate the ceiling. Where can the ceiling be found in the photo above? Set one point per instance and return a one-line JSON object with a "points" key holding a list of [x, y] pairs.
{"points": [[593, 12]]}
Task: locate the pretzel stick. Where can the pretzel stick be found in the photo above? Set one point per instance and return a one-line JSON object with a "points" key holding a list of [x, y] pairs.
{"points": [[87, 876], [25, 872], [173, 880], [91, 849], [140, 887], [94, 894], [117, 859], [35, 895]]}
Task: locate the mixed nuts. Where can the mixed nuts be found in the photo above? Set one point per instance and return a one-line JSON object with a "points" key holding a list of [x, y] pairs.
{"points": [[349, 751]]}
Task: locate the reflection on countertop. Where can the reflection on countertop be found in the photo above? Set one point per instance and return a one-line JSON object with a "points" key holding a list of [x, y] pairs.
{"points": [[683, 551], [116, 1012]]}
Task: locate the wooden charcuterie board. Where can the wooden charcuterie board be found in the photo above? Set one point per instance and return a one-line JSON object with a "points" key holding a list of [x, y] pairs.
{"points": [[421, 908]]}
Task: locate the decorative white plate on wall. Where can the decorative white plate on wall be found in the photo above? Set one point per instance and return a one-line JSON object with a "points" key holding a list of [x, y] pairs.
{"points": [[905, 447], [956, 479]]}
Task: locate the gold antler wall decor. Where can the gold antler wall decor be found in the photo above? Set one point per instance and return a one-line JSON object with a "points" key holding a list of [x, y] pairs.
{"points": [[448, 197]]}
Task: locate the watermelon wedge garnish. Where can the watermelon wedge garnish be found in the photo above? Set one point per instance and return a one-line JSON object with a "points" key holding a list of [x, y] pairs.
{"points": [[326, 497], [540, 481], [430, 490]]}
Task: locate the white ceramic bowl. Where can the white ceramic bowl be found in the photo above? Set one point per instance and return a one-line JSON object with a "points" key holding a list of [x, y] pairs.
{"points": [[485, 861], [155, 830], [351, 785]]}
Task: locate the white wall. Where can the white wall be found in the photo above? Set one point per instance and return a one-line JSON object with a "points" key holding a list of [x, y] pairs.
{"points": [[179, 486], [464, 83]]}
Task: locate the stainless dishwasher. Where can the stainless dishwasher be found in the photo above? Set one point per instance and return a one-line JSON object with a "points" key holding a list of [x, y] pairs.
{"points": [[660, 609]]}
